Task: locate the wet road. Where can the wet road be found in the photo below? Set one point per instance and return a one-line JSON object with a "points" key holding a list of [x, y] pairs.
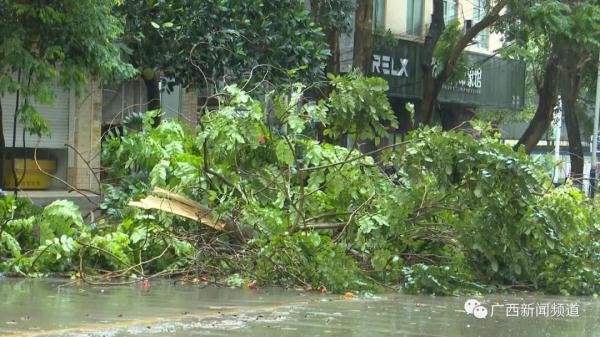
{"points": [[41, 308]]}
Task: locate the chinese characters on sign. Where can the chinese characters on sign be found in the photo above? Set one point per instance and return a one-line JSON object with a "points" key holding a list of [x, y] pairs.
{"points": [[523, 310], [471, 84], [388, 65]]}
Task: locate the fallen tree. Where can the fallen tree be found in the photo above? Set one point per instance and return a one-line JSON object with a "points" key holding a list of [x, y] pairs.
{"points": [[440, 213]]}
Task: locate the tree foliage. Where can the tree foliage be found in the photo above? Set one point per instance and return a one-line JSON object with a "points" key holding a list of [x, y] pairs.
{"points": [[51, 44], [203, 43], [560, 39], [443, 212]]}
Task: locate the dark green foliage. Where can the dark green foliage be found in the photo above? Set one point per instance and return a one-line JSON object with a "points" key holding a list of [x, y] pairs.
{"points": [[56, 240], [56, 43], [201, 42], [307, 259], [358, 107], [384, 40], [458, 214]]}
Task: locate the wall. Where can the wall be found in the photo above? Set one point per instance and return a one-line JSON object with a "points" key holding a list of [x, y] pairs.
{"points": [[121, 99], [189, 107], [396, 21], [395, 16], [86, 133]]}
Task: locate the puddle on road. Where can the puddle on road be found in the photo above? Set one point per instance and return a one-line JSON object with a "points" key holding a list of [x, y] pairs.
{"points": [[39, 308]]}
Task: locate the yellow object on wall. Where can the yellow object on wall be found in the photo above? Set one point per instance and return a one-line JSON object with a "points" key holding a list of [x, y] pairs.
{"points": [[34, 179]]}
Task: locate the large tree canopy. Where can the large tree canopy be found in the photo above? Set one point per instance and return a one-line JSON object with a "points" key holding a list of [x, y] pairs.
{"points": [[560, 39], [59, 41], [46, 44], [195, 42]]}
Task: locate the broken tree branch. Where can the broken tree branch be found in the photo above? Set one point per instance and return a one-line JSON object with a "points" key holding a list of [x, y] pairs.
{"points": [[173, 203]]}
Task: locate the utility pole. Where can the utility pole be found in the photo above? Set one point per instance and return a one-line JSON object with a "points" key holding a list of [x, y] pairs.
{"points": [[595, 134]]}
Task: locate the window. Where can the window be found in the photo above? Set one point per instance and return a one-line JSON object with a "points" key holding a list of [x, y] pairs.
{"points": [[479, 11], [378, 15], [414, 17], [450, 12]]}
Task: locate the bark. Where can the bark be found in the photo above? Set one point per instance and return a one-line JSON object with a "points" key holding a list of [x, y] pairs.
{"points": [[547, 94], [332, 36], [14, 141], [333, 39], [363, 35], [427, 76], [433, 85], [570, 85]]}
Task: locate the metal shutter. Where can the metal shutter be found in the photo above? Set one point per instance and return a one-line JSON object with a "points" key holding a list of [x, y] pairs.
{"points": [[121, 99], [57, 116]]}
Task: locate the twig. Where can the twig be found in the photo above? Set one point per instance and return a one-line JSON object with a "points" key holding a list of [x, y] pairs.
{"points": [[87, 163], [366, 154], [59, 179], [352, 216]]}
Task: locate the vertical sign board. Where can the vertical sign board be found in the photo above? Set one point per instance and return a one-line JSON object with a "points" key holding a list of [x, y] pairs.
{"points": [[556, 129], [490, 82]]}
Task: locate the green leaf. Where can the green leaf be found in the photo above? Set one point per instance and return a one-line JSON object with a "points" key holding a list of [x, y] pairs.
{"points": [[284, 153], [11, 244], [494, 266], [139, 234], [158, 175], [296, 123]]}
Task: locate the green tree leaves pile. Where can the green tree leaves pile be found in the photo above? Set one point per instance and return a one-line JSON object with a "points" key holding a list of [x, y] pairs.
{"points": [[488, 215], [444, 212]]}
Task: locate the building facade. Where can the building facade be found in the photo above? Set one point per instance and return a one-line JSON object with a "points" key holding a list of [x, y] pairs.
{"points": [[490, 82], [410, 19], [77, 122]]}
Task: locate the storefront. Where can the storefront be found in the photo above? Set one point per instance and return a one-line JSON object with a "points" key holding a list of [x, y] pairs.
{"points": [[50, 149], [490, 83]]}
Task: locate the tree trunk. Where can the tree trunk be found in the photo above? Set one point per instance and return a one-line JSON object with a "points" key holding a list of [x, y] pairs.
{"points": [[428, 77], [363, 47], [547, 93], [14, 141], [333, 39], [363, 35], [153, 96], [432, 86], [332, 35], [152, 93], [570, 85]]}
